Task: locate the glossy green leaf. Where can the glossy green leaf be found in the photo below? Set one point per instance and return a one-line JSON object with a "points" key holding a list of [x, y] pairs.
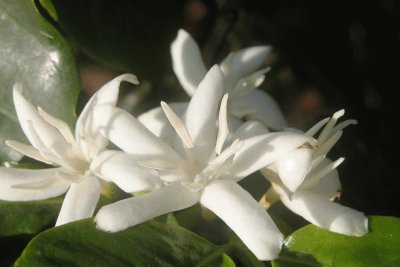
{"points": [[29, 217], [132, 36], [313, 246], [33, 53], [148, 244]]}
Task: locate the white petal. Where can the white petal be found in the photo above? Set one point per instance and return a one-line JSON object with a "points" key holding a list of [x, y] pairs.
{"points": [[260, 151], [239, 210], [158, 124], [202, 111], [129, 212], [243, 63], [250, 129], [293, 168], [96, 112], [123, 170], [247, 130], [329, 185], [10, 177], [258, 105], [329, 215], [130, 135], [45, 135], [187, 62], [80, 201]]}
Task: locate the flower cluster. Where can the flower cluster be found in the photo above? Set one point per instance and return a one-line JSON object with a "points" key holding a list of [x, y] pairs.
{"points": [[182, 154]]}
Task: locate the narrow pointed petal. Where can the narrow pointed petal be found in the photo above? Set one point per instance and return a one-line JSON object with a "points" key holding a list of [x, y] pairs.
{"points": [[123, 170], [178, 125], [258, 105], [130, 135], [259, 151], [223, 128], [96, 113], [294, 167], [201, 114], [243, 63], [239, 210], [10, 177], [327, 131], [313, 130], [27, 150], [29, 119], [132, 211], [187, 62], [80, 201], [156, 121], [326, 214]]}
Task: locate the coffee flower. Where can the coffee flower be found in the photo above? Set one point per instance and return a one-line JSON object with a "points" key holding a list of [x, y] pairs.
{"points": [[198, 164], [53, 143], [306, 182]]}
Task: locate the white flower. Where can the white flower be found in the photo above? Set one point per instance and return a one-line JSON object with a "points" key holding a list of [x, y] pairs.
{"points": [[306, 182], [53, 143], [241, 79], [199, 165]]}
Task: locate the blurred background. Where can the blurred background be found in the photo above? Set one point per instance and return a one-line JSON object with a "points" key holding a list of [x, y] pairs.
{"points": [[328, 55]]}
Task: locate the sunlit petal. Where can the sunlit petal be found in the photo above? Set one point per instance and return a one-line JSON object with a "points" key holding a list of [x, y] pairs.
{"points": [[80, 201], [201, 113], [260, 151], [258, 105], [238, 209], [132, 211], [187, 62], [130, 135], [158, 124], [326, 214], [243, 63], [125, 172], [96, 113], [10, 177], [39, 132]]}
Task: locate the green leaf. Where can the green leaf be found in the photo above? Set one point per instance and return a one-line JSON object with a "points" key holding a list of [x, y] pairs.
{"points": [[148, 244], [30, 217], [33, 53], [132, 36], [313, 246]]}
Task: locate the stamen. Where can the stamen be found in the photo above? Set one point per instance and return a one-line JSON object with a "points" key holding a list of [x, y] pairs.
{"points": [[326, 147], [223, 129], [342, 125], [311, 180], [326, 132], [60, 125], [178, 125], [27, 150], [313, 130]]}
